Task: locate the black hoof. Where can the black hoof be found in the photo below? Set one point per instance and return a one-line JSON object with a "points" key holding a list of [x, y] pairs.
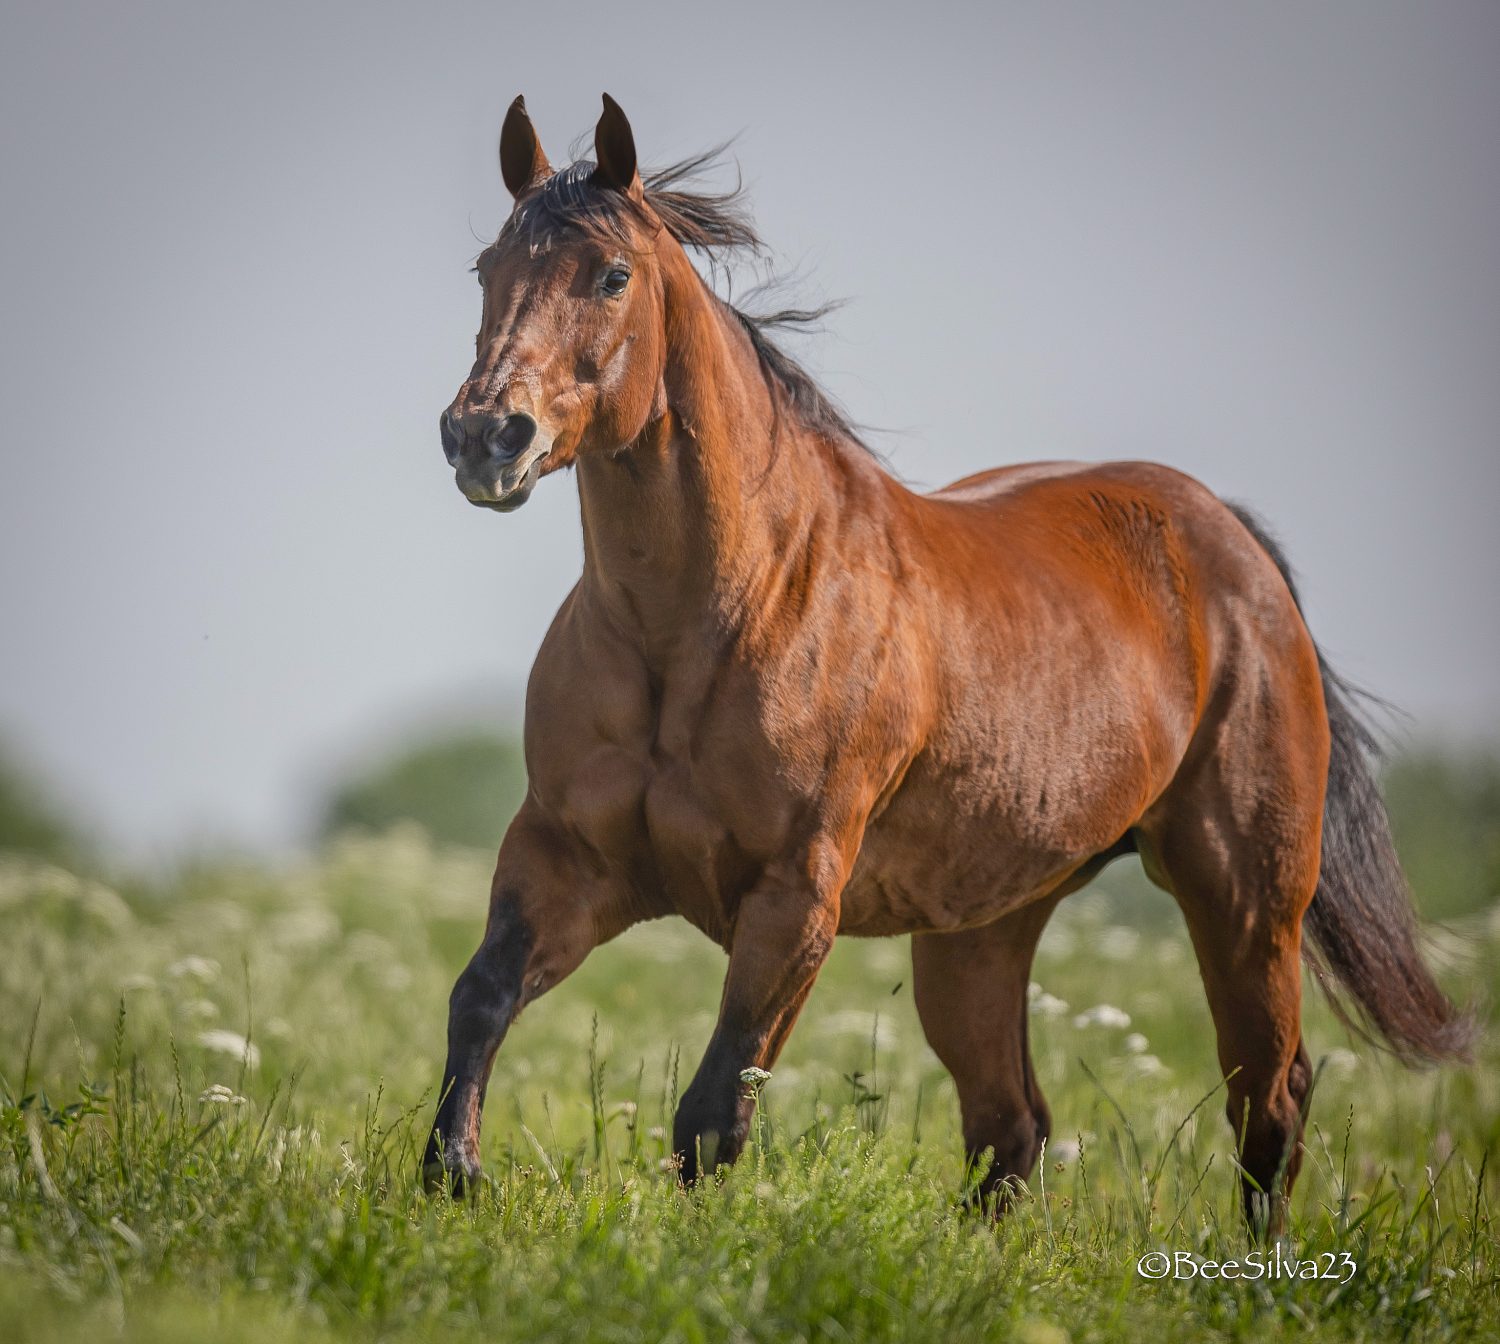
{"points": [[450, 1176]]}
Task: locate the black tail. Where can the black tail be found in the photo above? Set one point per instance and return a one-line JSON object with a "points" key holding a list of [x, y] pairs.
{"points": [[1362, 930]]}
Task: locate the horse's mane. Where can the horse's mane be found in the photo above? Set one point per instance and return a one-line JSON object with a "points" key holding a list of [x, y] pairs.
{"points": [[714, 224]]}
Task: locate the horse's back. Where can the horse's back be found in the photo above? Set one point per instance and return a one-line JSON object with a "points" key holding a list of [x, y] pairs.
{"points": [[999, 485], [995, 481], [1161, 529]]}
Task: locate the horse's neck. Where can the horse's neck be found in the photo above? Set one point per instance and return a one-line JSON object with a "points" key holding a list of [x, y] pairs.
{"points": [[682, 527]]}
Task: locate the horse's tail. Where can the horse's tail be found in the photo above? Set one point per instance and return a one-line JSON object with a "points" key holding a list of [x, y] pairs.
{"points": [[1361, 927]]}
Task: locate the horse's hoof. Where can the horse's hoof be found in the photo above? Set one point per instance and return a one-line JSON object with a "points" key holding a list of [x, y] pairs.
{"points": [[453, 1178]]}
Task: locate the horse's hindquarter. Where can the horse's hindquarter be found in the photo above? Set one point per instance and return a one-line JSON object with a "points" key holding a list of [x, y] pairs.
{"points": [[1068, 657]]}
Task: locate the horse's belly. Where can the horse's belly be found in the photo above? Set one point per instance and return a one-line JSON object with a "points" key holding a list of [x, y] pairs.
{"points": [[960, 874], [956, 851]]}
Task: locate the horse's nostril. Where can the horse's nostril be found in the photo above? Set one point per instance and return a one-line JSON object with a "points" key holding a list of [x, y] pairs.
{"points": [[509, 436], [452, 435]]}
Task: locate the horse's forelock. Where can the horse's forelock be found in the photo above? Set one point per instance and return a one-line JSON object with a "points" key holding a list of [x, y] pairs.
{"points": [[715, 224]]}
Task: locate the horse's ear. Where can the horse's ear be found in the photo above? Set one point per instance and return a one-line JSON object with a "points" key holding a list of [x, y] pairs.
{"points": [[614, 150], [522, 162]]}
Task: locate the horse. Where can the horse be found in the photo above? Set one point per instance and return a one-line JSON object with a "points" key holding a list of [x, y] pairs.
{"points": [[791, 698]]}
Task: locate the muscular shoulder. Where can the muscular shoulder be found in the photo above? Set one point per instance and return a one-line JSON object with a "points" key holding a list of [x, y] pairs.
{"points": [[588, 684]]}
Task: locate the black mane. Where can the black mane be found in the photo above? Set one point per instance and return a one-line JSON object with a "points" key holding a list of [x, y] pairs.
{"points": [[715, 224]]}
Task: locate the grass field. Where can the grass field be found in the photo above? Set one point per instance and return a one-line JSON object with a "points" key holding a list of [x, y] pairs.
{"points": [[159, 1181]]}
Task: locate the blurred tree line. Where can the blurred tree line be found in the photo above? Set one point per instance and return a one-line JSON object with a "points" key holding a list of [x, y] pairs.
{"points": [[31, 820], [463, 788]]}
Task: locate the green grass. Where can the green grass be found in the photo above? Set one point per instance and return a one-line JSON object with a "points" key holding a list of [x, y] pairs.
{"points": [[133, 1204]]}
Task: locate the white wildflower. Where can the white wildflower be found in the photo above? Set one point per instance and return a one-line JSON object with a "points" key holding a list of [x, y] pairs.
{"points": [[309, 926], [754, 1079], [368, 946], [1148, 1066], [1118, 943], [136, 982], [205, 969], [1065, 1150], [1049, 1005], [1135, 1043], [394, 977], [202, 1009], [219, 1095], [885, 956], [231, 1043], [1103, 1015], [379, 959], [1340, 1063], [105, 905], [1060, 941]]}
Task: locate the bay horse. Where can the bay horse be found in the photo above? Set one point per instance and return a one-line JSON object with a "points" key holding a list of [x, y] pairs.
{"points": [[790, 698]]}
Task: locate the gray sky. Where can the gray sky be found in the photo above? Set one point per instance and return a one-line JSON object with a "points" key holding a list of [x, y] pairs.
{"points": [[1255, 242]]}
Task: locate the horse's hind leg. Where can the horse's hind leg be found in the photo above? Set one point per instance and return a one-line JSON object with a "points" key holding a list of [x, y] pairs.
{"points": [[1236, 841], [970, 989]]}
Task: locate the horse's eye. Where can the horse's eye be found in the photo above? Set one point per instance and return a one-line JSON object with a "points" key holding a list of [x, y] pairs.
{"points": [[615, 280]]}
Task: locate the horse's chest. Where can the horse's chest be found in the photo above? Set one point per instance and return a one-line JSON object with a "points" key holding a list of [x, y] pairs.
{"points": [[693, 847], [687, 794], [663, 832]]}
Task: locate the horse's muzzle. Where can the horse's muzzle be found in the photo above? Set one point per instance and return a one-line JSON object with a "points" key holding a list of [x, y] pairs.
{"points": [[496, 460]]}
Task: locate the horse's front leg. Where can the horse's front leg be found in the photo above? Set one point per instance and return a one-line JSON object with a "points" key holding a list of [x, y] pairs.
{"points": [[545, 916], [782, 935]]}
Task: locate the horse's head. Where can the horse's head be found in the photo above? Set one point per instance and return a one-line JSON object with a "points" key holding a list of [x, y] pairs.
{"points": [[571, 345]]}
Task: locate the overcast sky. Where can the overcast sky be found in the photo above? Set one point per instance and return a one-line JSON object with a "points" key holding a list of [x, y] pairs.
{"points": [[1255, 242]]}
